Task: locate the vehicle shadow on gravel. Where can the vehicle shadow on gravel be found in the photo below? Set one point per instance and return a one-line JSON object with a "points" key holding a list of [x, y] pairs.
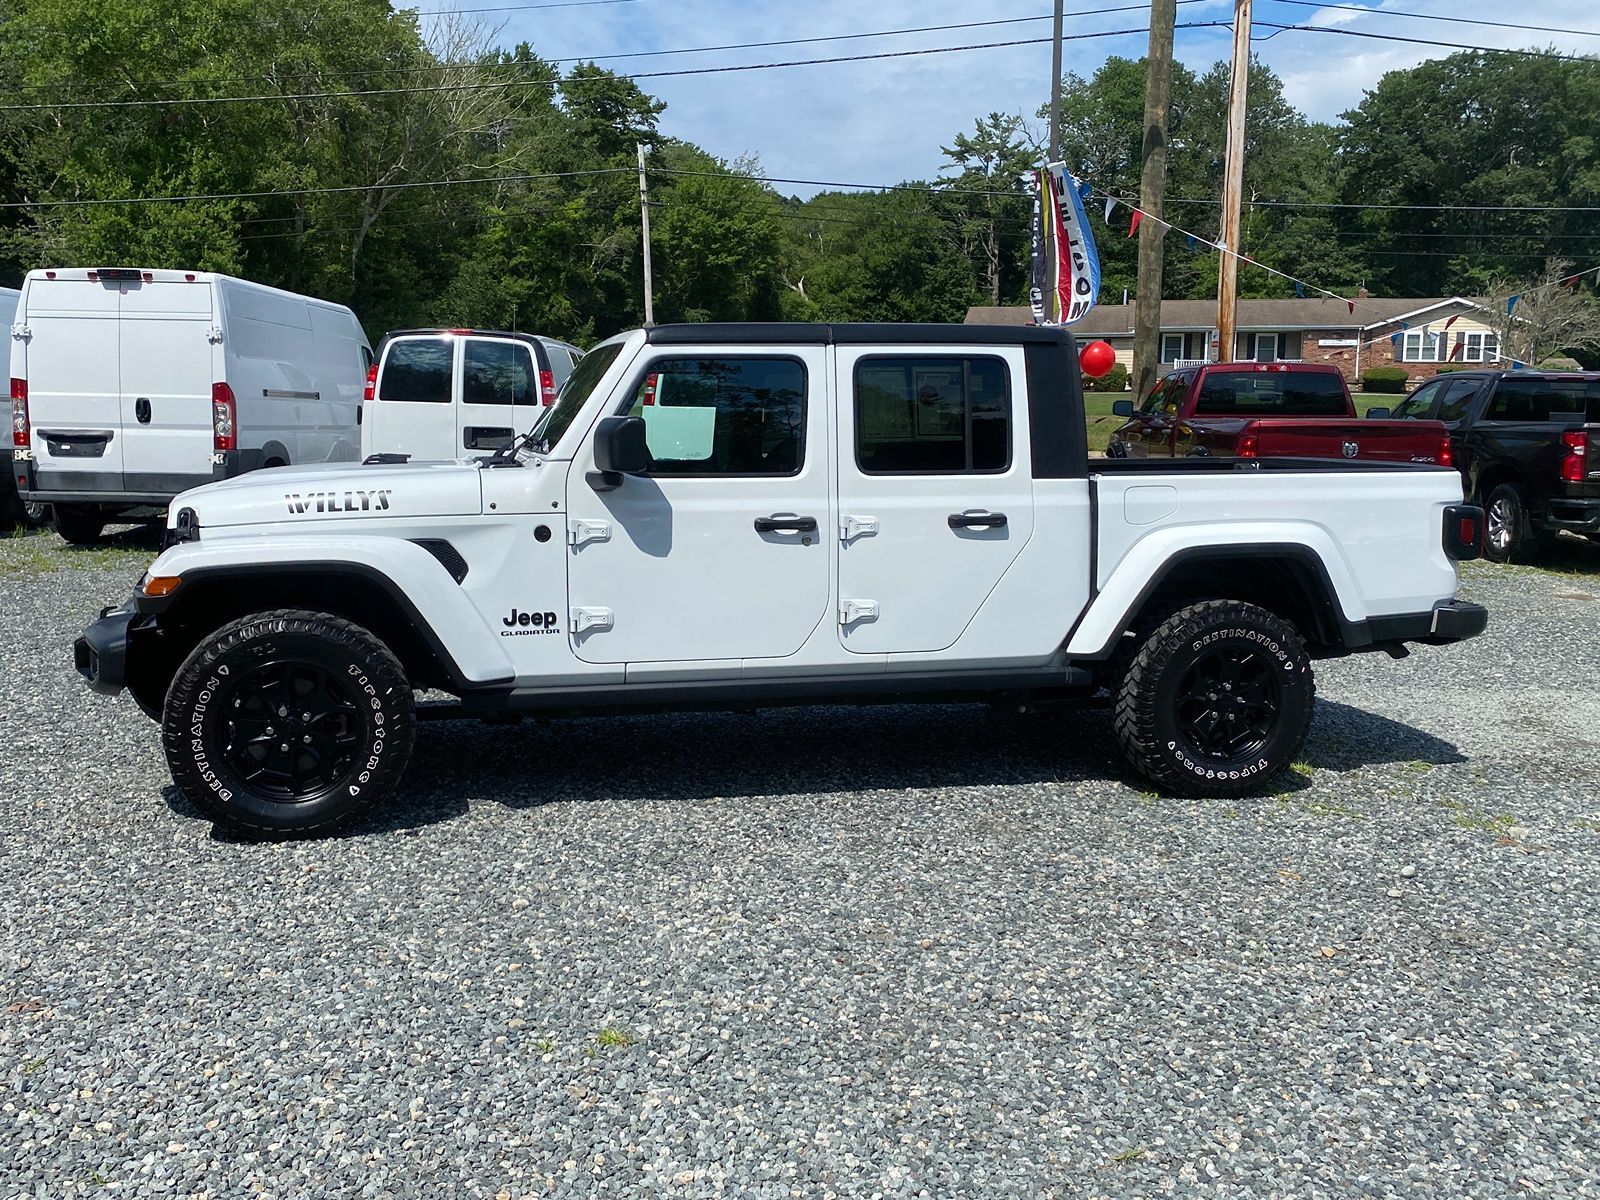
{"points": [[683, 758]]}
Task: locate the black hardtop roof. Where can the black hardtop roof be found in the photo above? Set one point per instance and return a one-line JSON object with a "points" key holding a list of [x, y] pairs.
{"points": [[1523, 373], [797, 333]]}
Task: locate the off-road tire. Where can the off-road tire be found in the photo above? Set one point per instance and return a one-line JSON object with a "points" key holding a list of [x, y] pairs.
{"points": [[288, 665], [78, 527], [1156, 696]]}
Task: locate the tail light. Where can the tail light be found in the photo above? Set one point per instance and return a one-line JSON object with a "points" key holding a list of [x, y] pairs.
{"points": [[1572, 463], [224, 418], [1463, 531], [1247, 446], [1447, 457], [370, 392], [650, 388], [19, 412], [547, 387]]}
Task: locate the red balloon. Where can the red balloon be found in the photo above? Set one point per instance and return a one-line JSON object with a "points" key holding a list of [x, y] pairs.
{"points": [[1096, 359]]}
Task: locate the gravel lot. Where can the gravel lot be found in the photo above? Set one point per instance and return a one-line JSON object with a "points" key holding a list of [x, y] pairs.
{"points": [[908, 952]]}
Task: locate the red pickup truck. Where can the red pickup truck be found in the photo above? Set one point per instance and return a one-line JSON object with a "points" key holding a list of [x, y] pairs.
{"points": [[1267, 410]]}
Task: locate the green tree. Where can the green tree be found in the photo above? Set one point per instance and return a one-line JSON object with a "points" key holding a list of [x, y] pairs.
{"points": [[992, 215]]}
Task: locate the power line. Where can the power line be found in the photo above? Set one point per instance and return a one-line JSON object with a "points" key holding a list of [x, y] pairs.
{"points": [[317, 191], [1416, 16], [461, 87], [1395, 37], [450, 12], [592, 58]]}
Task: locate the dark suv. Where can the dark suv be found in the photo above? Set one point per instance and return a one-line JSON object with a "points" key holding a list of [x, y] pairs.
{"points": [[1525, 442]]}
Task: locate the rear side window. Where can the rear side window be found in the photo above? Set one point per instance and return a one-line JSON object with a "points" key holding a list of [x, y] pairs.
{"points": [[1457, 398], [1545, 399], [416, 370], [1167, 396], [1272, 394], [560, 362], [723, 416], [498, 373], [932, 416]]}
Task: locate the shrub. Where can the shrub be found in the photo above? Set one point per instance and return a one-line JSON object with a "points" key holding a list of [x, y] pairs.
{"points": [[1114, 380], [1384, 379], [1560, 363], [1448, 368]]}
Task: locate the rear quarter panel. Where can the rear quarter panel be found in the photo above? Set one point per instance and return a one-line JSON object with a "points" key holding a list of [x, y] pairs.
{"points": [[1377, 534]]}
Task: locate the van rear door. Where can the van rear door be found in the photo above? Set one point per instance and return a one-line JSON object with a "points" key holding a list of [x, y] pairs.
{"points": [[74, 390], [499, 393], [413, 410], [167, 373]]}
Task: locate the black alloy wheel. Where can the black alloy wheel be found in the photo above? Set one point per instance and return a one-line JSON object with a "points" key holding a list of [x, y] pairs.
{"points": [[292, 729], [1228, 702]]}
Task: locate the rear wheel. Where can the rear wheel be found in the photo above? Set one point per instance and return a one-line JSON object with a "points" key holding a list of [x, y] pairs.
{"points": [[1217, 700], [286, 722], [79, 526]]}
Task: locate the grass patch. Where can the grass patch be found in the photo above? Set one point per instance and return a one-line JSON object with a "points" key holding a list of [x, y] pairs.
{"points": [[1303, 769], [1132, 1154], [27, 554], [614, 1038], [1332, 808], [1098, 418], [1589, 823]]}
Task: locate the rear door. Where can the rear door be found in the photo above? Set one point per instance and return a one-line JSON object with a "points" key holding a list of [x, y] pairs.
{"points": [[167, 373], [74, 382], [413, 409], [499, 393], [935, 491]]}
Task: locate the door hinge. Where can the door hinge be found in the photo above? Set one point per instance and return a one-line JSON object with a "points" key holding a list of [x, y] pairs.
{"points": [[851, 528], [579, 532], [21, 332], [214, 334], [585, 619], [852, 611]]}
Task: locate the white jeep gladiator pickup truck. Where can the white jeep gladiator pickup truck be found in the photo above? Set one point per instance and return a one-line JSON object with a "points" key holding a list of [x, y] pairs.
{"points": [[739, 516]]}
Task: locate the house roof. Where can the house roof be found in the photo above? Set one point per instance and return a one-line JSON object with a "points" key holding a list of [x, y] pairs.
{"points": [[1116, 320]]}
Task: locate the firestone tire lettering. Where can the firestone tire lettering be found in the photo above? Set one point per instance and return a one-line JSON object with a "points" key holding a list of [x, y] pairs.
{"points": [[193, 721]]}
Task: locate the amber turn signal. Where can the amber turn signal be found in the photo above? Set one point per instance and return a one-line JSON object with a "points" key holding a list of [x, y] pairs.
{"points": [[160, 585]]}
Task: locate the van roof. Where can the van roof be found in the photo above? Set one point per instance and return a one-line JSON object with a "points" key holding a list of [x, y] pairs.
{"points": [[165, 275], [864, 333]]}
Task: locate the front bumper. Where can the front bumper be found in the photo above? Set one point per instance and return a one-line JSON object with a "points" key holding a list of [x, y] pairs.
{"points": [[101, 653], [1448, 621]]}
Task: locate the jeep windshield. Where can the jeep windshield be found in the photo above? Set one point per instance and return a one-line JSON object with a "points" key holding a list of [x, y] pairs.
{"points": [[574, 392]]}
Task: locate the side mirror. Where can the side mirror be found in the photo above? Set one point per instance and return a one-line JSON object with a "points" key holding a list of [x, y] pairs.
{"points": [[1122, 408], [1377, 414], [619, 449]]}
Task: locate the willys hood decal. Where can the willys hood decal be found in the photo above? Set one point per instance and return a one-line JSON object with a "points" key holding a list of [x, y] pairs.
{"points": [[318, 494]]}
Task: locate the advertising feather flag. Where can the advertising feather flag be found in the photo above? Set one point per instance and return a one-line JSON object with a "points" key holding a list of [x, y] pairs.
{"points": [[1066, 266]]}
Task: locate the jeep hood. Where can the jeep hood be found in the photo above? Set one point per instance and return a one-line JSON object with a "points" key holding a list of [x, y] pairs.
{"points": [[336, 493]]}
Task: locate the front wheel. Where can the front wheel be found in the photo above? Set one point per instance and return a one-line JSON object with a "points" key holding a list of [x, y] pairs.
{"points": [[1216, 701], [287, 722]]}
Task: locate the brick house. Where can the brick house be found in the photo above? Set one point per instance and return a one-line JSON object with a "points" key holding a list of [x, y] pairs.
{"points": [[1417, 334]]}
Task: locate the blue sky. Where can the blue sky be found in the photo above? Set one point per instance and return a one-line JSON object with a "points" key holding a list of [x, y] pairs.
{"points": [[883, 121]]}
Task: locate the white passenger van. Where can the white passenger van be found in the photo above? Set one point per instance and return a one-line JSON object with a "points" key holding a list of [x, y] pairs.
{"points": [[442, 394], [129, 386]]}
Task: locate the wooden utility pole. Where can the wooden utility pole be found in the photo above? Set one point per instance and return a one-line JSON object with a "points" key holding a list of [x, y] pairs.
{"points": [[1055, 89], [644, 219], [1233, 183], [1152, 190]]}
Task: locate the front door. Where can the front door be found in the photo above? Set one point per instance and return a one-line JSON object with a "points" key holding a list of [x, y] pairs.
{"points": [[935, 492], [719, 551], [499, 393]]}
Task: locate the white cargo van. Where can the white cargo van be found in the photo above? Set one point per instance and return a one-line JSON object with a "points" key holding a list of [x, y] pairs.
{"points": [[129, 386], [443, 394], [12, 510]]}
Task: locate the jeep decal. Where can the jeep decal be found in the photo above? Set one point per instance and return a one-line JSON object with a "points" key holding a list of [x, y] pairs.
{"points": [[328, 502]]}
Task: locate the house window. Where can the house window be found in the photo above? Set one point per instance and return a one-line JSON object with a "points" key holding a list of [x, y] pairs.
{"points": [[1477, 346], [1266, 347], [1422, 346], [1171, 347]]}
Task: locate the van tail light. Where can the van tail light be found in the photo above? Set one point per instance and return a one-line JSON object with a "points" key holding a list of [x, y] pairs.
{"points": [[1463, 532], [1572, 463], [1247, 446], [370, 392], [547, 387], [1447, 457], [19, 412], [224, 418], [650, 388]]}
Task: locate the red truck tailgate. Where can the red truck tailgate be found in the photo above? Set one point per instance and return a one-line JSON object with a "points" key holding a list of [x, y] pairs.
{"points": [[1378, 441]]}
